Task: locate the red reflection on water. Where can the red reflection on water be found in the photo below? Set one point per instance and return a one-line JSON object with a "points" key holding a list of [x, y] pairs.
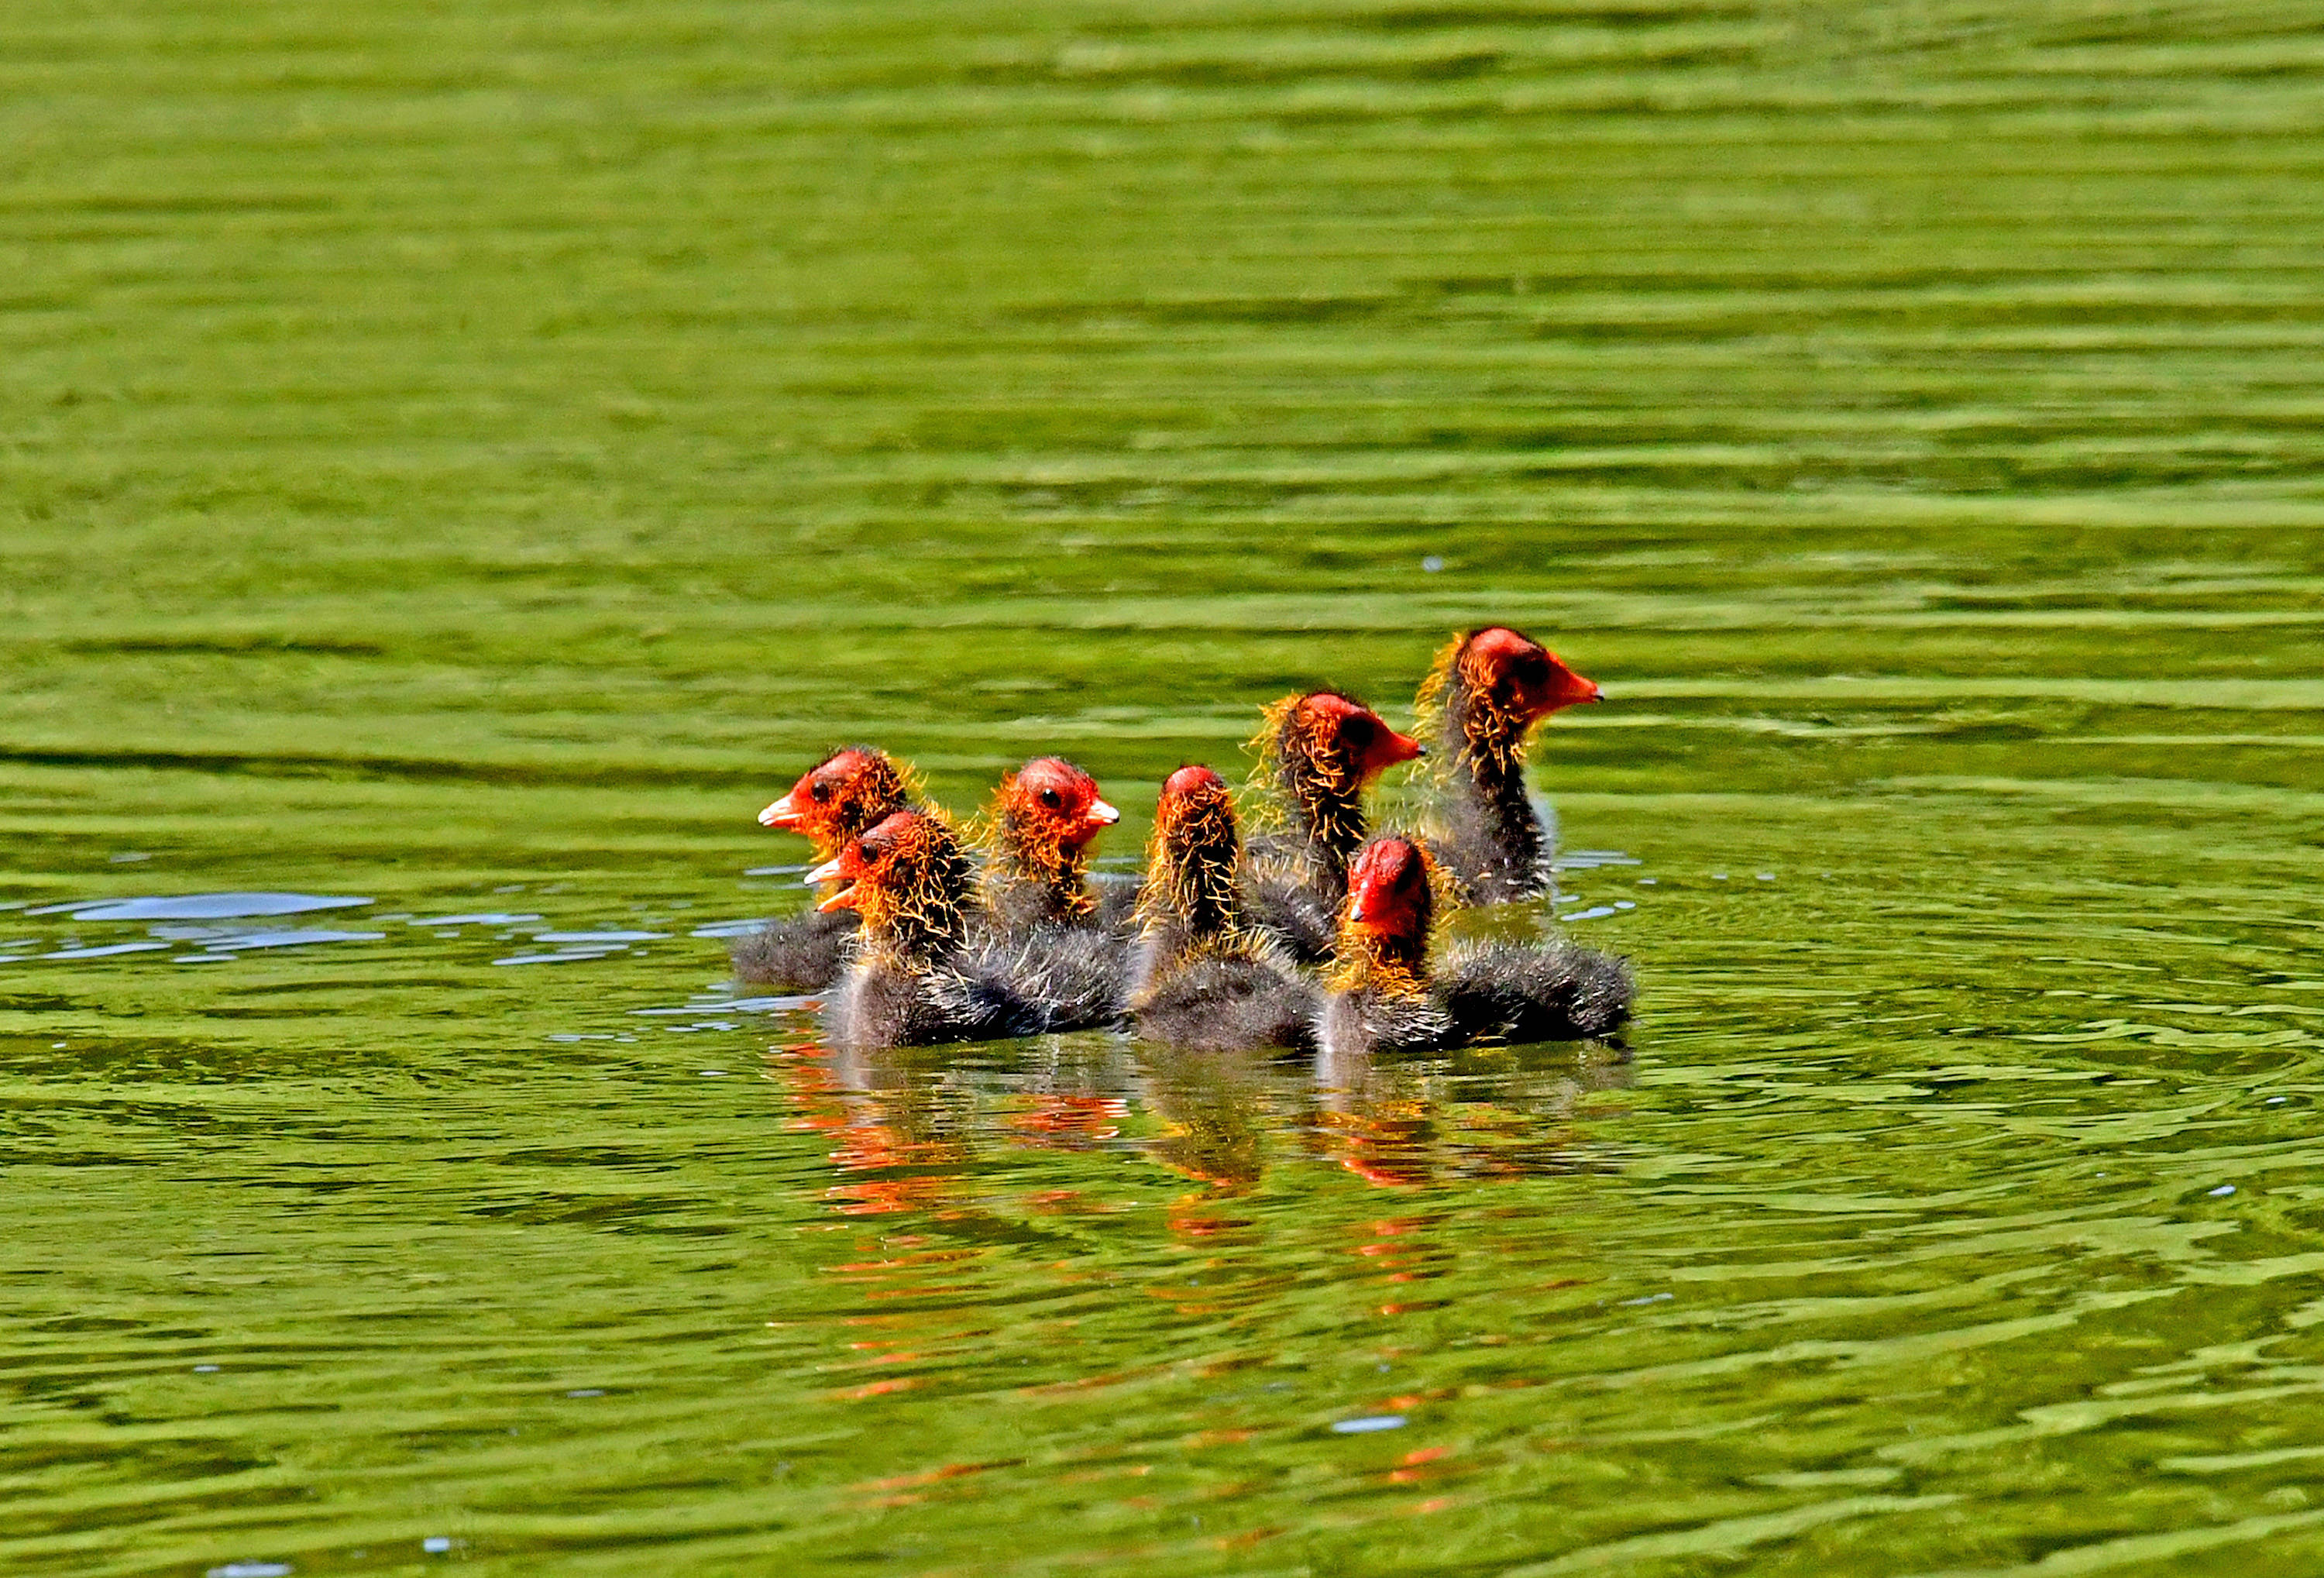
{"points": [[1197, 1216], [1412, 1469], [1379, 1122], [1060, 1121]]}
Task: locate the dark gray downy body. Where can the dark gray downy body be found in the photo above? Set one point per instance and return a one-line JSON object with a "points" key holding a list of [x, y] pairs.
{"points": [[1388, 997], [1204, 978], [1044, 942]]}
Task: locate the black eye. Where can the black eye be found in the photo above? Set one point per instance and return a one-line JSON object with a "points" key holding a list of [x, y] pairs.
{"points": [[1532, 668], [821, 792], [1051, 798], [1358, 732]]}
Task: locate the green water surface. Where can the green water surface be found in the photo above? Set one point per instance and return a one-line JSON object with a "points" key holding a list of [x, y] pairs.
{"points": [[468, 455]]}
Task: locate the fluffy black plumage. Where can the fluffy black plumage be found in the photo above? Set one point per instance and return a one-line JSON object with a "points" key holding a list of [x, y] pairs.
{"points": [[1386, 999], [886, 1003], [1206, 979], [800, 953], [1116, 894], [1545, 992], [1373, 1018], [1286, 902], [1491, 838], [1063, 977], [1226, 1004]]}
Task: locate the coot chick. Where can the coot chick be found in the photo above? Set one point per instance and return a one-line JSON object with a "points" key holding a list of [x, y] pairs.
{"points": [[1037, 835], [1205, 978], [1383, 997], [1317, 753], [1486, 692], [836, 799], [1043, 942], [906, 983]]}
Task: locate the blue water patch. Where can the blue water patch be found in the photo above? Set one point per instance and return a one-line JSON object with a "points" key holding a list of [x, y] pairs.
{"points": [[1585, 860], [288, 939], [740, 1005], [197, 907], [728, 928], [99, 953]]}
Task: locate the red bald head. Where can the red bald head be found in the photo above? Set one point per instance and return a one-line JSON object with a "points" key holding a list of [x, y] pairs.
{"points": [[1520, 676], [873, 862], [1339, 734], [840, 797], [1387, 889], [1194, 804], [1052, 800], [1189, 781]]}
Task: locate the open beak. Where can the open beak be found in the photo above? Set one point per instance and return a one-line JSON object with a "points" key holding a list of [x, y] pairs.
{"points": [[833, 871], [781, 814]]}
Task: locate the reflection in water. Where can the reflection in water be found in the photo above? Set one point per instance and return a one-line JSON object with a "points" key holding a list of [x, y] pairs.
{"points": [[903, 1131], [1492, 1113], [1068, 1094], [915, 1129], [1213, 1107]]}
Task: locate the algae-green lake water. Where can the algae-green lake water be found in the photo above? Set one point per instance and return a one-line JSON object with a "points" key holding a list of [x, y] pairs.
{"points": [[462, 458]]}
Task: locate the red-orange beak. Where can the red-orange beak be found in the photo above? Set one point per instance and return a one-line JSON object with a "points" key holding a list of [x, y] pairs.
{"points": [[1368, 906], [783, 814], [1567, 688], [1388, 748], [838, 868]]}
